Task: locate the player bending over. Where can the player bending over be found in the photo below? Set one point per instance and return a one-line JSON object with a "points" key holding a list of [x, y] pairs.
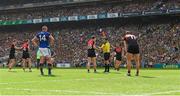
{"points": [[26, 56], [45, 39], [118, 53]]}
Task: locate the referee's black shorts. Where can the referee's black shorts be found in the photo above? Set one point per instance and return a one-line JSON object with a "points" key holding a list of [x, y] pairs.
{"points": [[106, 56]]}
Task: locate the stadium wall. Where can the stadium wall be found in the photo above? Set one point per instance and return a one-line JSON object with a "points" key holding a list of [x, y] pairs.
{"points": [[92, 17]]}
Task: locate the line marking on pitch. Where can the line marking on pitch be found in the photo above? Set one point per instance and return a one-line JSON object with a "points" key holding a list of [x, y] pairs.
{"points": [[61, 91], [6, 83], [91, 92], [164, 93]]}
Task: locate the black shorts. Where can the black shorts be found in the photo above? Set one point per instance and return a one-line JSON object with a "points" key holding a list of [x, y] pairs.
{"points": [[12, 56], [25, 55], [118, 57], [133, 49], [106, 56], [91, 53]]}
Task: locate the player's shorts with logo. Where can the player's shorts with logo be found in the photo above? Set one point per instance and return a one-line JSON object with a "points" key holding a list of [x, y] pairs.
{"points": [[106, 56]]}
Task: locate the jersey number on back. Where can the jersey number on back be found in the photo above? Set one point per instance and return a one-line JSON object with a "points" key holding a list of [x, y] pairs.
{"points": [[42, 37], [133, 37]]}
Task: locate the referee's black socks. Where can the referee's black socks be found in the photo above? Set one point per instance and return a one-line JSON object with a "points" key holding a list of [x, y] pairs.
{"points": [[105, 67], [108, 67]]}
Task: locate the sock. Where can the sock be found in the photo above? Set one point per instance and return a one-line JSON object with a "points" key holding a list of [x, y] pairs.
{"points": [[37, 66], [41, 68], [129, 71], [117, 69], [137, 72], [49, 68], [30, 69], [107, 67]]}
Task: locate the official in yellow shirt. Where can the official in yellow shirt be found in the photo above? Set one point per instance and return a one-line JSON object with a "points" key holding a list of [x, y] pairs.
{"points": [[106, 51]]}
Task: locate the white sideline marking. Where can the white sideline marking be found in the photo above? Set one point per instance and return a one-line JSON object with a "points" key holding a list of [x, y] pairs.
{"points": [[60, 91], [69, 91], [87, 93], [165, 92], [56, 81], [91, 92]]}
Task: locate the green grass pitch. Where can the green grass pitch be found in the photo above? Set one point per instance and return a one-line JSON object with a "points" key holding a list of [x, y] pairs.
{"points": [[79, 82]]}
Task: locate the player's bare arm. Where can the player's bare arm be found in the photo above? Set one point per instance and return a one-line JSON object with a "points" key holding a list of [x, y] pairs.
{"points": [[34, 41], [51, 40]]}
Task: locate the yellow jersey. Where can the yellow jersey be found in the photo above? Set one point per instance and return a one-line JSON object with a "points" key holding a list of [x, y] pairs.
{"points": [[106, 47]]}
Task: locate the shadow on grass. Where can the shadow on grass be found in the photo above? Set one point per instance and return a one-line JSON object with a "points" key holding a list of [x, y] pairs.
{"points": [[116, 72], [12, 71], [106, 73], [147, 77], [48, 76], [102, 72]]}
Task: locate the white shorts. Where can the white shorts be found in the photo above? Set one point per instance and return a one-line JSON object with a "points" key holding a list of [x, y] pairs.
{"points": [[45, 52]]}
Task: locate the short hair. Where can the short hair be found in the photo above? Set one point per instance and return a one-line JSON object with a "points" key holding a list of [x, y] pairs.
{"points": [[14, 40], [44, 26], [93, 37], [127, 32], [26, 40], [106, 39]]}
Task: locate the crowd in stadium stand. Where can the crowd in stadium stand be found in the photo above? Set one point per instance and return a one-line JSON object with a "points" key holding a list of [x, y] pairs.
{"points": [[159, 43], [89, 10]]}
